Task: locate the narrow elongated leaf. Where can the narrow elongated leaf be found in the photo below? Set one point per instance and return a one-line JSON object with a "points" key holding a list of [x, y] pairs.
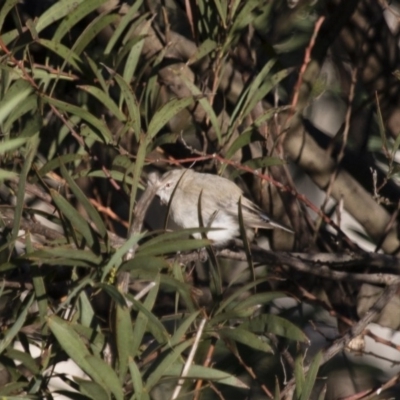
{"points": [[132, 105], [57, 11], [174, 246], [258, 163], [108, 376], [29, 104], [299, 375], [92, 389], [73, 345], [135, 52], [8, 5], [25, 358], [38, 284], [206, 105], [268, 323], [125, 21], [116, 259], [124, 339], [166, 113], [259, 299], [183, 328], [311, 377], [164, 366], [242, 140], [245, 337], [182, 288], [64, 52], [137, 381], [64, 253], [31, 150], [10, 334], [105, 99], [91, 211], [211, 374], [173, 236], [14, 96], [84, 114], [76, 219], [92, 30], [204, 49], [11, 145], [76, 15], [225, 304]]}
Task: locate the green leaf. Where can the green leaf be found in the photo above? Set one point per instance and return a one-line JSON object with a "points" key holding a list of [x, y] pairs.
{"points": [[268, 323], [182, 288], [175, 246], [14, 96], [381, 125], [244, 16], [60, 160], [73, 345], [299, 375], [77, 220], [242, 140], [38, 283], [97, 123], [105, 99], [31, 150], [171, 236], [132, 105], [116, 259], [206, 105], [204, 49], [12, 332], [164, 365], [209, 374], [92, 30], [245, 337], [30, 103], [11, 145], [87, 315], [25, 358], [311, 376], [5, 175], [183, 328], [64, 52], [237, 294], [107, 375], [147, 320], [76, 15], [61, 254], [124, 22], [124, 339], [259, 299], [8, 5], [59, 10], [137, 381], [135, 52], [92, 389], [113, 292], [89, 208], [165, 114], [258, 163]]}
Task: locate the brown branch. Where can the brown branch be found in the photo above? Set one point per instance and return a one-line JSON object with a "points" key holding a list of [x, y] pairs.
{"points": [[357, 329]]}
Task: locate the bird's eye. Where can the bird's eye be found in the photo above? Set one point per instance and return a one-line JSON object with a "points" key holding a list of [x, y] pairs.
{"points": [[168, 185]]}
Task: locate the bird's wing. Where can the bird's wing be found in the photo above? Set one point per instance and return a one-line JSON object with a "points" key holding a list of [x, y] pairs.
{"points": [[255, 217]]}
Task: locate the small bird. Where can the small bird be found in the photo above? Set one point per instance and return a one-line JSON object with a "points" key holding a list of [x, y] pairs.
{"points": [[219, 205]]}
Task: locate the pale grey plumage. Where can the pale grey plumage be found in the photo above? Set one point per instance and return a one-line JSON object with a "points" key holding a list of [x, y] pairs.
{"points": [[219, 204]]}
